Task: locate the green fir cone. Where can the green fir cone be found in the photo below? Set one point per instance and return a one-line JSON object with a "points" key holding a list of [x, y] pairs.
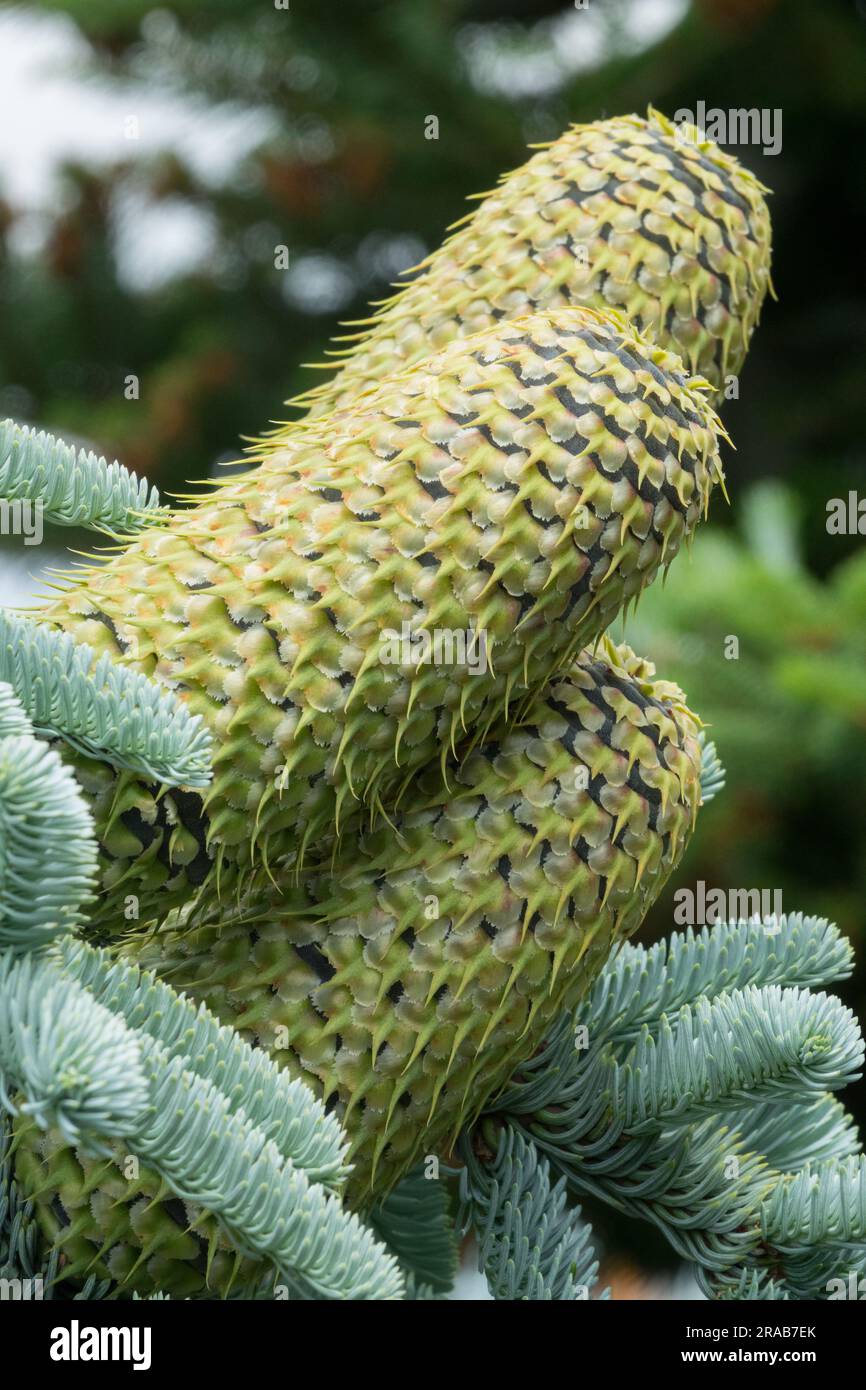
{"points": [[117, 1216], [408, 987], [513, 493], [518, 486], [638, 215]]}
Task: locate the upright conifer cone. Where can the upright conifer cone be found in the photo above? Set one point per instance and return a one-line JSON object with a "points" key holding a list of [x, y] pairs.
{"points": [[407, 988], [638, 215], [523, 485]]}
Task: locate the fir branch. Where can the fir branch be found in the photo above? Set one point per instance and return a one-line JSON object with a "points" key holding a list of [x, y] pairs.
{"points": [[790, 1136], [637, 1123], [814, 1251], [79, 1067], [415, 1222], [48, 851], [285, 1110], [712, 774], [546, 1074], [696, 1183], [532, 1247], [74, 486], [748, 1045], [105, 710], [739, 1285], [218, 1160], [824, 1203], [82, 1068], [13, 720], [826, 1271], [605, 1123], [640, 984]]}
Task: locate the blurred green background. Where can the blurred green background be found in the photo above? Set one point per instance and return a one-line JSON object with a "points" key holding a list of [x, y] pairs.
{"points": [[223, 129]]}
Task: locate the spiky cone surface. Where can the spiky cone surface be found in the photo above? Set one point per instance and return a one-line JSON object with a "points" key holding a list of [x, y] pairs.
{"points": [[407, 987], [638, 215], [525, 484], [117, 1217]]}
